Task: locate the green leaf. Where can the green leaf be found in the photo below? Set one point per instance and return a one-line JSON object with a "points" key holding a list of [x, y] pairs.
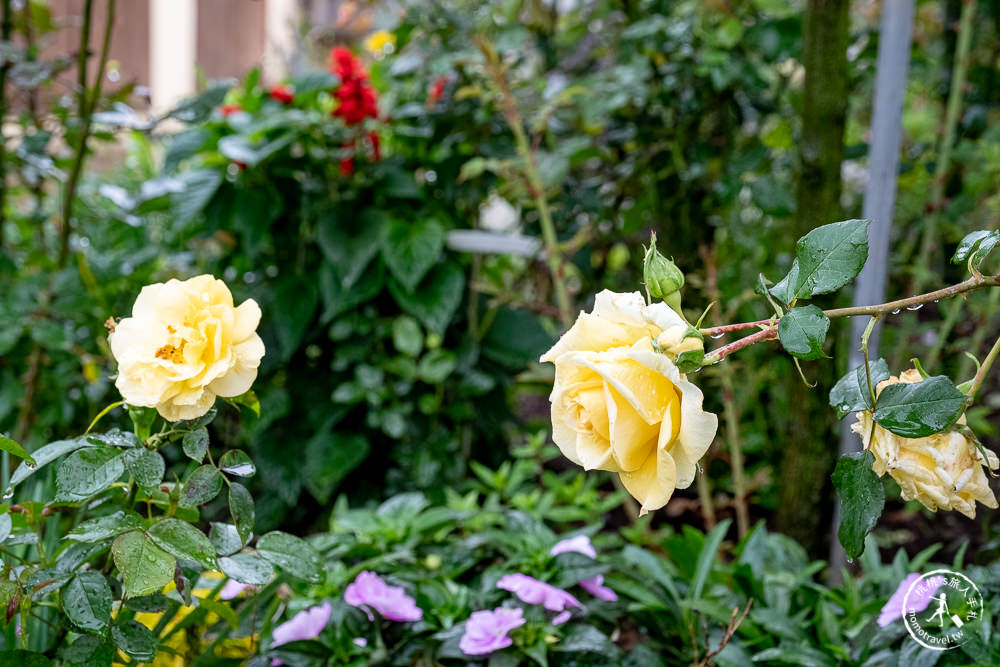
{"points": [[22, 658], [236, 462], [407, 336], [862, 498], [145, 567], [47, 454], [135, 640], [199, 187], [8, 445], [6, 525], [410, 249], [105, 527], [203, 485], [851, 394], [337, 299], [295, 301], [707, 557], [313, 82], [920, 409], [329, 457], [145, 465], [222, 610], [241, 507], [226, 538], [435, 301], [348, 247], [88, 651], [195, 444], [88, 471], [291, 554], [246, 569], [183, 541], [248, 400], [830, 256], [975, 247], [86, 600], [802, 332], [784, 289]]}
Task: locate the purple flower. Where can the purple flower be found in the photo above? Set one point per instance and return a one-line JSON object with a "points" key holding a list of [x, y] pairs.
{"points": [[307, 624], [919, 598], [486, 631], [231, 589], [392, 602], [360, 641], [580, 544], [532, 591], [594, 585]]}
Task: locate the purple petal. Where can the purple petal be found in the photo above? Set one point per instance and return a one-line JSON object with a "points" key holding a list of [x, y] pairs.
{"points": [[532, 591], [369, 591], [579, 544], [595, 586], [486, 631], [231, 589], [307, 624], [360, 641], [919, 598], [562, 618]]}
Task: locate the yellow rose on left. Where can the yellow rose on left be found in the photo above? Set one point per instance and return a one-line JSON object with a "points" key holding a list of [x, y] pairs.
{"points": [[620, 404], [184, 345]]}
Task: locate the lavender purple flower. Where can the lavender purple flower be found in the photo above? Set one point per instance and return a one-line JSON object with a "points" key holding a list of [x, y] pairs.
{"points": [[307, 624], [486, 631], [919, 599], [369, 591], [532, 591], [594, 585]]}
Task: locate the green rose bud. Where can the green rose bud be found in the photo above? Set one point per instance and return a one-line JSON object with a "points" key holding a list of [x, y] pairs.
{"points": [[662, 277], [684, 344]]}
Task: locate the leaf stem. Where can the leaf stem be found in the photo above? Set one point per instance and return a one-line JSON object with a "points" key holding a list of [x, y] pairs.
{"points": [[977, 381]]}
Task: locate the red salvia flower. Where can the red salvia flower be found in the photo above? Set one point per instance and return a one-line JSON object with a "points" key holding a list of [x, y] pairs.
{"points": [[229, 109], [282, 93]]}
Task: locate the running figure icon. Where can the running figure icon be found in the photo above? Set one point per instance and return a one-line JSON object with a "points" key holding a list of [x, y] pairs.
{"points": [[942, 610]]}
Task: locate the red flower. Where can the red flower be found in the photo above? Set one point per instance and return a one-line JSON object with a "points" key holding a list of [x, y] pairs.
{"points": [[345, 64], [347, 166], [437, 89], [228, 109], [282, 93], [376, 146], [357, 99]]}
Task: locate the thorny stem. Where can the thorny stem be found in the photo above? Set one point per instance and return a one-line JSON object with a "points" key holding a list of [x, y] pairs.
{"points": [[769, 328], [509, 105], [984, 369]]}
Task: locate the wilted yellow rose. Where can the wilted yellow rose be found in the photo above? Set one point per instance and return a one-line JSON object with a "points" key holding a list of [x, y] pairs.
{"points": [[942, 471], [184, 345], [620, 405]]}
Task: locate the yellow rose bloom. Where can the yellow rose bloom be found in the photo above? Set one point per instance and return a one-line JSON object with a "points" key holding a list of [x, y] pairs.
{"points": [[376, 42], [184, 345], [620, 405], [941, 471]]}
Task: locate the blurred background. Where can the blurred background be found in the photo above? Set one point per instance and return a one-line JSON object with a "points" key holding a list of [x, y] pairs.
{"points": [[374, 205]]}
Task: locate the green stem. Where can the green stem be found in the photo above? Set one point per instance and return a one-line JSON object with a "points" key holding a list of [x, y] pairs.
{"points": [[952, 112], [864, 350], [984, 369], [535, 184]]}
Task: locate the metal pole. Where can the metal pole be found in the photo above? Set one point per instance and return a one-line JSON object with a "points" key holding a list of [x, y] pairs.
{"points": [[880, 200]]}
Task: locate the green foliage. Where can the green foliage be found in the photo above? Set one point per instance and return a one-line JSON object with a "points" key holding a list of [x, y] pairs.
{"points": [[862, 498], [827, 258], [802, 331], [852, 393], [919, 409]]}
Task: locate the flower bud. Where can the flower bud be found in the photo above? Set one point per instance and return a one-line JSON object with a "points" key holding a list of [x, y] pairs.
{"points": [[684, 344], [662, 277]]}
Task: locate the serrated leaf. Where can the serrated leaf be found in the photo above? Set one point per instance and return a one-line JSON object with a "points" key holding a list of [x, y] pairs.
{"points": [[246, 569], [88, 651], [851, 394], [241, 508], [145, 465], [410, 249], [919, 409], [802, 332], [975, 247], [862, 499], [195, 444], [236, 462], [47, 454], [183, 541], [105, 527], [86, 600], [291, 554], [88, 471], [8, 445], [831, 256], [202, 486], [135, 640], [784, 289], [145, 567]]}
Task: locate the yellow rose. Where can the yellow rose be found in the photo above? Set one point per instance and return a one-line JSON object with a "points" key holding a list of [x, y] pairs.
{"points": [[942, 471], [620, 405], [184, 345], [377, 42]]}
